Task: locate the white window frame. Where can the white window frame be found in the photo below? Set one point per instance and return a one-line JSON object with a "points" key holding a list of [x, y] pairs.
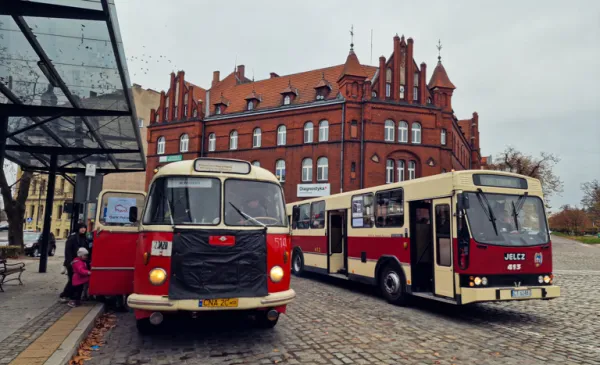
{"points": [[250, 105], [141, 122], [402, 90], [212, 142], [323, 131], [403, 131], [308, 132], [287, 100], [400, 166], [218, 110], [389, 171], [307, 172], [388, 90], [443, 136], [416, 130], [388, 130], [184, 143], [322, 169], [256, 138], [161, 145], [415, 93], [280, 170], [281, 135], [412, 167], [233, 140]]}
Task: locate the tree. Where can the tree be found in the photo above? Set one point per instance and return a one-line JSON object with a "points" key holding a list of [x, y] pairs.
{"points": [[15, 206], [591, 199], [570, 219], [542, 168]]}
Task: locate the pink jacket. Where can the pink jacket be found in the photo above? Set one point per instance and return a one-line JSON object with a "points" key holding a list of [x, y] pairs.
{"points": [[81, 274]]}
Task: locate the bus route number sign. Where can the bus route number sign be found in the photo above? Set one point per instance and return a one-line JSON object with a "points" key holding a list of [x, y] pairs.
{"points": [[161, 248]]}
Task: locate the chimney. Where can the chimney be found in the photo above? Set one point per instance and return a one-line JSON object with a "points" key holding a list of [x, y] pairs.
{"points": [[423, 84], [396, 70], [274, 75], [381, 78], [410, 72], [216, 78], [241, 72]]}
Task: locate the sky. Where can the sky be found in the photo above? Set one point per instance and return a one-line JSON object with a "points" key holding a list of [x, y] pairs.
{"points": [[529, 68]]}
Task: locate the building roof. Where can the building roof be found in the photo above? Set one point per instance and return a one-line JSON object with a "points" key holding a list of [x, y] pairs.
{"points": [[440, 78], [352, 67], [199, 93], [465, 126], [270, 89]]}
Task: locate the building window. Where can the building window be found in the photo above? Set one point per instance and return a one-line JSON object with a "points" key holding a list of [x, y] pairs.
{"points": [[156, 117], [403, 132], [256, 163], [322, 169], [388, 90], [280, 170], [141, 122], [412, 166], [175, 112], [400, 167], [416, 132], [389, 131], [389, 171], [281, 135], [429, 101], [374, 94], [218, 110], [167, 116], [287, 100], [233, 140], [250, 105], [184, 142], [323, 131], [401, 91], [256, 138], [443, 137], [59, 212], [160, 146], [308, 132], [353, 129], [212, 142], [185, 111], [415, 93], [307, 170], [195, 113], [388, 83]]}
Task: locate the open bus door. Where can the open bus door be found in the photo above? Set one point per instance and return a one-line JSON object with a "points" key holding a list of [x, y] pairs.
{"points": [[115, 240], [442, 238]]}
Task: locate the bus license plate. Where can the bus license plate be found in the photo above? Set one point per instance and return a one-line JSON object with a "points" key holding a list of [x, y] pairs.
{"points": [[521, 293], [224, 303]]}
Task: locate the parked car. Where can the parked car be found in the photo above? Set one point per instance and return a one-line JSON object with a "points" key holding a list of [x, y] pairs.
{"points": [[32, 243]]}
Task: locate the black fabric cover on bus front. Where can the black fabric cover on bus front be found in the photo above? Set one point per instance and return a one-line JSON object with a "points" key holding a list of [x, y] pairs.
{"points": [[200, 270]]}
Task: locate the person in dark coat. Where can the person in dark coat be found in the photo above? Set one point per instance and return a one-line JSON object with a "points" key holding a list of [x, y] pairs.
{"points": [[75, 241]]}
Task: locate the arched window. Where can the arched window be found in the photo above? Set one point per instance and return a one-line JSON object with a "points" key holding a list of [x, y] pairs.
{"points": [[184, 142], [389, 171], [401, 91], [322, 169], [429, 101], [250, 105], [256, 138], [233, 140], [212, 142], [308, 132], [374, 94], [160, 146], [280, 170], [389, 130], [218, 110], [388, 83], [287, 100], [401, 166], [281, 135], [412, 167], [403, 132], [443, 137], [416, 132], [323, 131], [307, 170], [256, 163]]}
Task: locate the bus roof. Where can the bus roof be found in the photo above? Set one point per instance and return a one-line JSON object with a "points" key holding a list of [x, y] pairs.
{"points": [[437, 186], [186, 168]]}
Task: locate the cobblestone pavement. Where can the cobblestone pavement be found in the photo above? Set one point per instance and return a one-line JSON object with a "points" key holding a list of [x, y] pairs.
{"points": [[335, 322]]}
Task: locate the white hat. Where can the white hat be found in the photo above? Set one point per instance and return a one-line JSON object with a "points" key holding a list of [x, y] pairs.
{"points": [[82, 252]]}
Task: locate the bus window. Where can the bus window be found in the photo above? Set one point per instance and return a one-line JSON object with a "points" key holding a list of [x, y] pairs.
{"points": [[317, 220], [362, 211], [390, 208], [442, 231], [115, 208], [303, 216], [253, 203]]}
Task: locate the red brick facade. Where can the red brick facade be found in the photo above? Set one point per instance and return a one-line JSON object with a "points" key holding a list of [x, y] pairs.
{"points": [[351, 97]]}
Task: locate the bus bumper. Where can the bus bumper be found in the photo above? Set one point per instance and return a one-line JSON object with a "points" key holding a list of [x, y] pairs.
{"points": [[164, 304], [473, 295]]}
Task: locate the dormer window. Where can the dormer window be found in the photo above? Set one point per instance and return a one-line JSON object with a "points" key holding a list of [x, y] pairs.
{"points": [[250, 105], [323, 88], [252, 100], [289, 93], [287, 100], [218, 110], [320, 97], [220, 105]]}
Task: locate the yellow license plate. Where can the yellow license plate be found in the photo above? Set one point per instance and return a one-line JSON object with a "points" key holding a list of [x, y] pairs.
{"points": [[225, 303]]}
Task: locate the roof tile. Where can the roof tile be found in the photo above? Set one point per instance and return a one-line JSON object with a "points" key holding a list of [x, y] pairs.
{"points": [[440, 78]]}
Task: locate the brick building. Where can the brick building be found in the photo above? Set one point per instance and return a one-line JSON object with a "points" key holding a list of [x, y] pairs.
{"points": [[322, 131]]}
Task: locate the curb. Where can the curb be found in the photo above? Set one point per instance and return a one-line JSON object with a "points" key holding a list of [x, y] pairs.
{"points": [[69, 346]]}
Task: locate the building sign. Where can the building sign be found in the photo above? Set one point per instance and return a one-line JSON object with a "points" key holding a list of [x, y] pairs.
{"points": [[171, 158], [313, 190]]}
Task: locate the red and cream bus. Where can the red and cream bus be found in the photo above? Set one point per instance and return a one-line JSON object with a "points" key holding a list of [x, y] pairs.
{"points": [[460, 237], [211, 235]]}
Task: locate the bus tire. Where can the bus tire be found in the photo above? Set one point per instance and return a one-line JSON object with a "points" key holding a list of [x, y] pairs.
{"points": [[144, 326], [392, 284], [263, 322], [297, 263]]}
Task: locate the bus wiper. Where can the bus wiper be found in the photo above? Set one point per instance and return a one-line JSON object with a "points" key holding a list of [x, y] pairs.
{"points": [[488, 212], [517, 208], [246, 216], [515, 215]]}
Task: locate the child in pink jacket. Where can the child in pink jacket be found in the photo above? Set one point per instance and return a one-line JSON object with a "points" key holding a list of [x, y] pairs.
{"points": [[81, 275]]}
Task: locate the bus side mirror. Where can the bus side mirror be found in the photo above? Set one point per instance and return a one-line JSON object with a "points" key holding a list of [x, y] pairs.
{"points": [[133, 213], [463, 202]]}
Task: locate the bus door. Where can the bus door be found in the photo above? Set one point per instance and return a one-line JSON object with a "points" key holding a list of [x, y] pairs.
{"points": [[336, 236], [115, 240], [442, 238]]}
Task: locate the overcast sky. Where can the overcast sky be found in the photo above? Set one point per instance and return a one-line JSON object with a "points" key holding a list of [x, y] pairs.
{"points": [[529, 68]]}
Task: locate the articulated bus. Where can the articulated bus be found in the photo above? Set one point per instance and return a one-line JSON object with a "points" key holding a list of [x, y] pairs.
{"points": [[211, 235], [459, 237]]}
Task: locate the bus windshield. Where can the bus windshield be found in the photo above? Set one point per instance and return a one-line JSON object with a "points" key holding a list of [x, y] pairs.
{"points": [[253, 203], [506, 220]]}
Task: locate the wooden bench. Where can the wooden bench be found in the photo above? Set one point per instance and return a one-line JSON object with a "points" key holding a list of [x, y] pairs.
{"points": [[7, 269]]}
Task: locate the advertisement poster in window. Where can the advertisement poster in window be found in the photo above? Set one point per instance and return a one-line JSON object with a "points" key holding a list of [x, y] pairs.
{"points": [[117, 209], [357, 211]]}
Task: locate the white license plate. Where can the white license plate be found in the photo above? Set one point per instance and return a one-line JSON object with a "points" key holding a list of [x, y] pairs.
{"points": [[521, 293], [161, 248]]}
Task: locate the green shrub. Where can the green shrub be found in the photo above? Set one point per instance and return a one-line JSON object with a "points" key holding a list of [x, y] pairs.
{"points": [[10, 252]]}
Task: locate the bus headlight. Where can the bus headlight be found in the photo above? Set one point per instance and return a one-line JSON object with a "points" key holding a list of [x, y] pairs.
{"points": [[157, 276], [540, 279], [484, 281], [477, 281], [547, 279], [276, 274]]}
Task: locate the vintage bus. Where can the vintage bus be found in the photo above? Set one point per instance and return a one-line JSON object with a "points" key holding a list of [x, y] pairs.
{"points": [[459, 237], [211, 235]]}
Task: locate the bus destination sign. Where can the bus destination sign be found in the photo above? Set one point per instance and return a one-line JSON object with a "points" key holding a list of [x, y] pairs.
{"points": [[500, 181]]}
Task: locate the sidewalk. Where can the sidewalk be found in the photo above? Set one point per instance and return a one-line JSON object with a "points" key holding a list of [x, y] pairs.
{"points": [[35, 327]]}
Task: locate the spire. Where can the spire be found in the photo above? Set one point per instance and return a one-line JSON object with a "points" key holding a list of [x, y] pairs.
{"points": [[352, 67], [439, 48], [440, 78], [352, 38]]}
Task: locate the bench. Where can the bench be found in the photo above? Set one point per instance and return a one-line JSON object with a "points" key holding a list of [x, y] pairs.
{"points": [[7, 269]]}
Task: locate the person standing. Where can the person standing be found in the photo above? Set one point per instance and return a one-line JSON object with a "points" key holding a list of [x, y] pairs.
{"points": [[75, 241]]}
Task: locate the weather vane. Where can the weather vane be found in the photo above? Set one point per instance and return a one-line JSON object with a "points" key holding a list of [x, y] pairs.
{"points": [[352, 37], [439, 48]]}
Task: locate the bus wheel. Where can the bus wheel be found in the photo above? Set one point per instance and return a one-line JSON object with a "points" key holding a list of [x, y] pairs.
{"points": [[297, 263], [391, 284], [267, 319]]}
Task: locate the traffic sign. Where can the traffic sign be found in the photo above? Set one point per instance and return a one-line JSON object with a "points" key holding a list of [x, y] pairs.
{"points": [[90, 170]]}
